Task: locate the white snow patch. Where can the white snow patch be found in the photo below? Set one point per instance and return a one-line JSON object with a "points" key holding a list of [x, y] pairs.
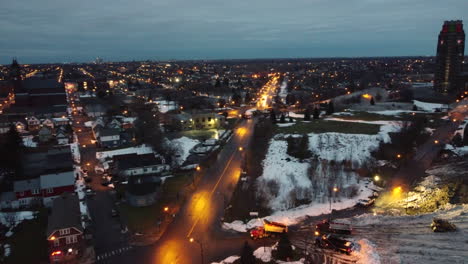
{"points": [[263, 253], [431, 107], [227, 260], [11, 219], [28, 142], [9, 233], [89, 124], [367, 253], [294, 115], [6, 250], [183, 146], [285, 124], [460, 151]]}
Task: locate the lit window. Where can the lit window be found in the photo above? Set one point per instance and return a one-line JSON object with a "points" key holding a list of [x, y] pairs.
{"points": [[35, 191], [50, 190], [71, 239]]}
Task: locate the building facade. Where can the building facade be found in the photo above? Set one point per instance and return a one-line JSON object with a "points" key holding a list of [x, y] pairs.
{"points": [[449, 58]]}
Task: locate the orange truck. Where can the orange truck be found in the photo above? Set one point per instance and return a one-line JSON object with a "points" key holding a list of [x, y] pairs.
{"points": [[269, 229]]}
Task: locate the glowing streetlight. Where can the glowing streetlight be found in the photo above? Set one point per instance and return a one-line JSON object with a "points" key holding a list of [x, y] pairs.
{"points": [[166, 209], [376, 178], [335, 189], [198, 168], [241, 148], [398, 156], [436, 141]]}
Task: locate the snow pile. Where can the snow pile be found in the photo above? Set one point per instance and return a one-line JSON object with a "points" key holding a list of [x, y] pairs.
{"points": [[183, 146], [89, 124], [285, 124], [75, 152], [227, 260], [165, 106], [28, 142], [11, 219], [294, 115], [287, 172], [293, 216], [367, 253], [283, 91], [263, 253], [460, 151], [142, 149], [431, 107], [6, 250]]}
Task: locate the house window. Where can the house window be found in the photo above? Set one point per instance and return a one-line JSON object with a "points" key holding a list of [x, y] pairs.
{"points": [[35, 191], [71, 239], [23, 201], [65, 231], [57, 242], [145, 170], [21, 194], [50, 190]]}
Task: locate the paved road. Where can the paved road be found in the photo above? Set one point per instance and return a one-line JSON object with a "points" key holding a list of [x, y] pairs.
{"points": [[426, 153], [107, 236]]}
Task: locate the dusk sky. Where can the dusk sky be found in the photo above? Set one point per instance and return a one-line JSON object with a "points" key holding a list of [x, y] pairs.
{"points": [[79, 31]]}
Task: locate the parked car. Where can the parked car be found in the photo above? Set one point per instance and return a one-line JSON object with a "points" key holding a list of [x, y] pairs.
{"points": [[114, 213]]}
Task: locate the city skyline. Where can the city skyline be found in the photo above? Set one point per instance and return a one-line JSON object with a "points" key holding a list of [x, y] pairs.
{"points": [[70, 32]]}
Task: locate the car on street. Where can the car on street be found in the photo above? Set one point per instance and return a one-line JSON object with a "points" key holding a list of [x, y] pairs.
{"points": [[334, 242]]}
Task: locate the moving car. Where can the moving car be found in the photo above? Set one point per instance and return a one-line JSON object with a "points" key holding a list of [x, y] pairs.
{"points": [[335, 243], [336, 226]]}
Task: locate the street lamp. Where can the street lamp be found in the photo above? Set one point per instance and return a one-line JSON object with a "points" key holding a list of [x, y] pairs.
{"points": [[398, 156], [201, 248], [198, 168], [376, 178], [436, 141], [335, 190]]}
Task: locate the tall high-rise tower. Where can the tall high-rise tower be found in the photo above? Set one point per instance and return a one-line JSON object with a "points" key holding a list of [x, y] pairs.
{"points": [[449, 60]]}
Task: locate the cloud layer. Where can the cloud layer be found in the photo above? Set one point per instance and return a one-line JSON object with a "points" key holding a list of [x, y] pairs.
{"points": [[62, 30]]}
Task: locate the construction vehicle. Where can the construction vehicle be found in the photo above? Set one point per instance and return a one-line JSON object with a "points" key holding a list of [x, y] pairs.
{"points": [[269, 229], [333, 242], [441, 225], [337, 227]]}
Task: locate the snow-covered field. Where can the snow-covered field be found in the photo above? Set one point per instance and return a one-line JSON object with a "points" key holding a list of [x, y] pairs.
{"points": [[408, 239]]}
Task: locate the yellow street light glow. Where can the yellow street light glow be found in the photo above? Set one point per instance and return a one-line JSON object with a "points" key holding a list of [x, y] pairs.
{"points": [[376, 178], [397, 191], [335, 189], [198, 168], [436, 141], [166, 209], [191, 240], [398, 156], [241, 148]]}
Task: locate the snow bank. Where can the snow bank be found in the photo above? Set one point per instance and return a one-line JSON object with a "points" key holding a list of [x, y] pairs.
{"points": [[460, 151], [431, 107], [263, 253], [28, 142], [142, 149], [393, 112], [75, 152], [227, 260], [367, 253], [11, 219], [89, 124], [295, 215], [183, 145]]}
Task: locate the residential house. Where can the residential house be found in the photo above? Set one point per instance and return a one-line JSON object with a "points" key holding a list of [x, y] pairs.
{"points": [[137, 165], [62, 137], [107, 137], [48, 123], [65, 231], [33, 123], [28, 192], [60, 121], [20, 126], [95, 110], [45, 134], [186, 121], [47, 176]]}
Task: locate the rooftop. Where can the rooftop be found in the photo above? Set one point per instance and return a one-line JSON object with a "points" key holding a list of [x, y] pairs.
{"points": [[65, 214]]}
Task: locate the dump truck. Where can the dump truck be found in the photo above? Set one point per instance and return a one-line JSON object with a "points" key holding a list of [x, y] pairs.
{"points": [[333, 242], [337, 227], [269, 229]]}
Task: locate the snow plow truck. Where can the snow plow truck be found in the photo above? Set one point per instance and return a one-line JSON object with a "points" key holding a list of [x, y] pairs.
{"points": [[337, 227], [269, 229]]}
